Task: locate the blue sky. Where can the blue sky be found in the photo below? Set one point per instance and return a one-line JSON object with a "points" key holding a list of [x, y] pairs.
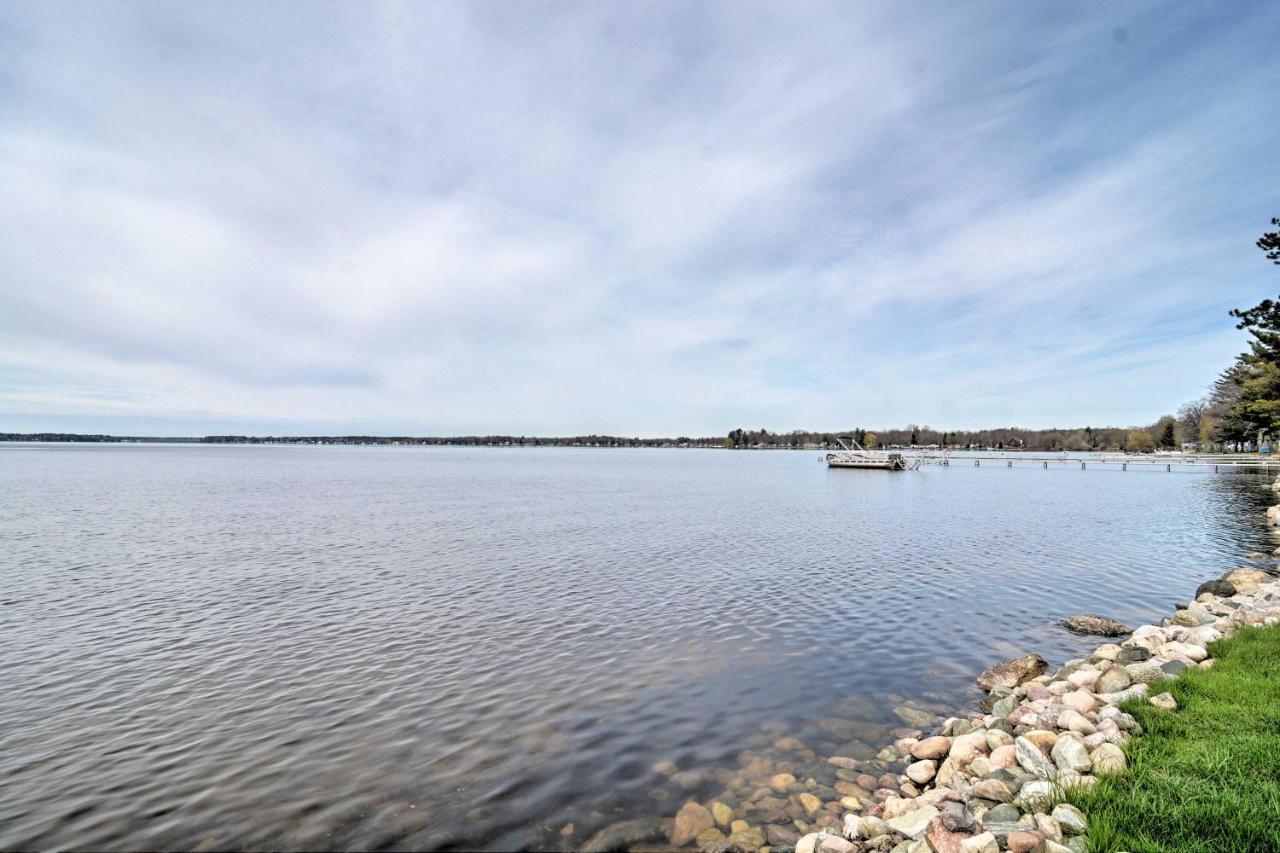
{"points": [[642, 219]]}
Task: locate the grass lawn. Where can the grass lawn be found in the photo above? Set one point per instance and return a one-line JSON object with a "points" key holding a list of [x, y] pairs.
{"points": [[1207, 775]]}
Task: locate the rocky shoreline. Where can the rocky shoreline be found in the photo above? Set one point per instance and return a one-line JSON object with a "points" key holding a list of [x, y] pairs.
{"points": [[982, 783]]}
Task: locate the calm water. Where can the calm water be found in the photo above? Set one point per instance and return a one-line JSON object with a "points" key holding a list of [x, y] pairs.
{"points": [[306, 647]]}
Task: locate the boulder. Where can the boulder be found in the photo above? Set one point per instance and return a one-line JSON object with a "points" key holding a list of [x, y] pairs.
{"points": [[1108, 758], [1099, 626], [1011, 673], [913, 823], [931, 747], [941, 839], [1024, 841], [1247, 581], [1032, 759], [1070, 754], [1220, 588], [1113, 680], [781, 836], [1070, 818], [1164, 700], [621, 836], [982, 843], [692, 820], [920, 772]]}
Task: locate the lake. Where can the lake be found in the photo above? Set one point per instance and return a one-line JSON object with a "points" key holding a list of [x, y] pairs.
{"points": [[218, 647]]}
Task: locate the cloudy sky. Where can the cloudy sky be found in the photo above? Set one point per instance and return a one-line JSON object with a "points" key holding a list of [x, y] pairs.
{"points": [[641, 219]]}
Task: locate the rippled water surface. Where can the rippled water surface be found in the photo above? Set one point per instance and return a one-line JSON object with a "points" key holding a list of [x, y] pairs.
{"points": [[306, 647]]}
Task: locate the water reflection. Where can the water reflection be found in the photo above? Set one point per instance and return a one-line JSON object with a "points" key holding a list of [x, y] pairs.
{"points": [[213, 647]]}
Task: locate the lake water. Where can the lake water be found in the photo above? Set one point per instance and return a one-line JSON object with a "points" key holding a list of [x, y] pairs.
{"points": [[396, 647]]}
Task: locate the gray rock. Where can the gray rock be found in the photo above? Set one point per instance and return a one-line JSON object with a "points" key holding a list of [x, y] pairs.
{"points": [[620, 836], [1012, 672], [1070, 754], [1146, 672], [913, 823], [957, 818], [1031, 758], [781, 836], [1100, 626], [1070, 818], [1133, 654], [1172, 667], [1220, 588], [1003, 813], [1113, 680]]}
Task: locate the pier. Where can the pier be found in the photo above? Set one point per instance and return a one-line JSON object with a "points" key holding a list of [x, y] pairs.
{"points": [[1221, 463]]}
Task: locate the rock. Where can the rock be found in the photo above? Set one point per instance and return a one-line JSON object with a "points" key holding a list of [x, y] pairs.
{"points": [[1002, 813], [1070, 754], [997, 738], [1108, 758], [914, 716], [982, 843], [1106, 651], [620, 836], [747, 836], [1024, 841], [1173, 667], [1114, 680], [834, 844], [913, 823], [709, 838], [1080, 700], [781, 782], [1036, 795], [1100, 626], [809, 843], [1164, 700], [866, 826], [722, 847], [957, 818], [941, 839], [1070, 818], [992, 789], [1003, 756], [1246, 581], [781, 836], [1032, 759], [1220, 588], [1048, 828], [692, 820], [1133, 654], [921, 772], [843, 762], [1013, 672], [931, 747], [722, 814], [1147, 672]]}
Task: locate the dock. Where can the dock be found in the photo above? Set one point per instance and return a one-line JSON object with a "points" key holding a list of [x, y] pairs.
{"points": [[1224, 463]]}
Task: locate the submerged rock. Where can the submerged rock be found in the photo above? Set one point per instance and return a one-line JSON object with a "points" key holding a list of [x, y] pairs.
{"points": [[1011, 673], [691, 821], [620, 836], [1101, 626]]}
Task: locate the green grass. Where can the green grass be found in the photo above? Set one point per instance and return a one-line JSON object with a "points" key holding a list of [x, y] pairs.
{"points": [[1207, 775]]}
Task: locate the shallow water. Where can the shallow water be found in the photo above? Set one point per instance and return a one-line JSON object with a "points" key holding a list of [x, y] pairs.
{"points": [[344, 647]]}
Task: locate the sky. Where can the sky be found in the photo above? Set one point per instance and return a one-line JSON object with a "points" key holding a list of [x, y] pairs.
{"points": [[627, 218]]}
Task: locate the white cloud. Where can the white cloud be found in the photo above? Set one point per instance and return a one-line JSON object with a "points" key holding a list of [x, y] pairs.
{"points": [[444, 219]]}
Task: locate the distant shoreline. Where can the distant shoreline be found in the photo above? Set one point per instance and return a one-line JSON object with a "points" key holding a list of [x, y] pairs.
{"points": [[591, 441]]}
